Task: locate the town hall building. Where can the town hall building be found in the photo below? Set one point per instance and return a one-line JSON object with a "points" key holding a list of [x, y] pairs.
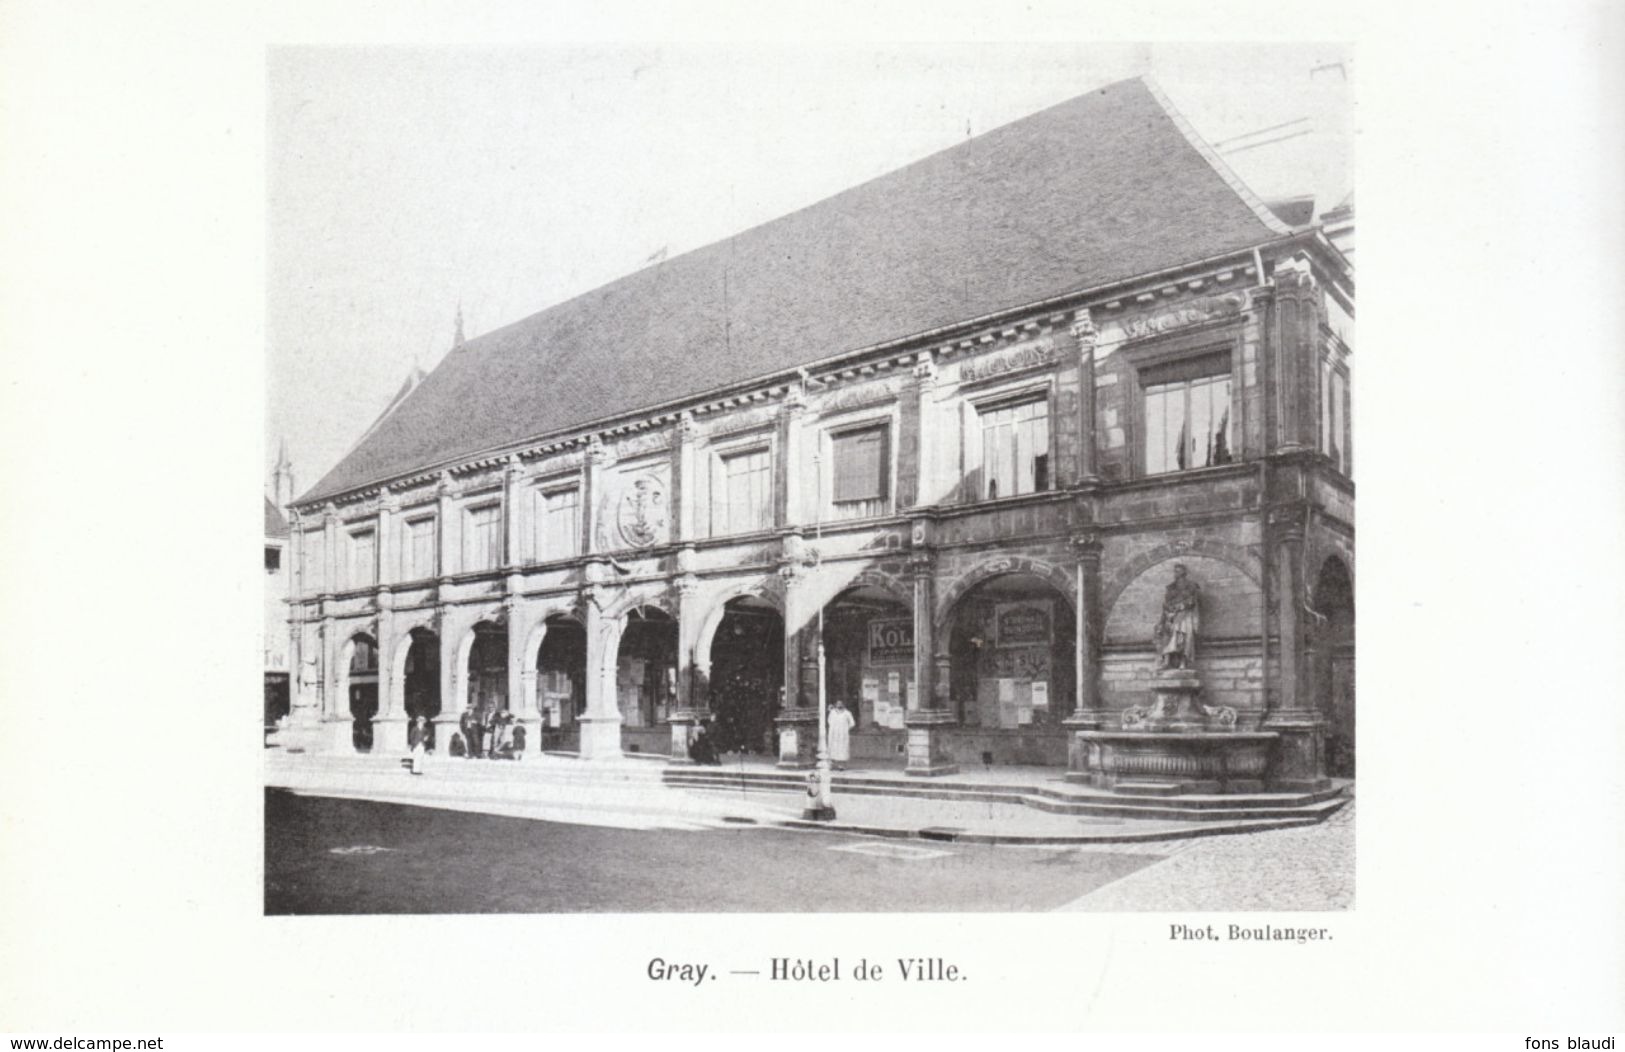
{"points": [[955, 427]]}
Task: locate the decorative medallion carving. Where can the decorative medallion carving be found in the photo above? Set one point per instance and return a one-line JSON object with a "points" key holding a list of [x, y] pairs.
{"points": [[643, 516], [1024, 356]]}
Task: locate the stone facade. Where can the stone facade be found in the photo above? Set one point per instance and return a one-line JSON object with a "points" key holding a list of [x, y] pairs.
{"points": [[653, 533]]}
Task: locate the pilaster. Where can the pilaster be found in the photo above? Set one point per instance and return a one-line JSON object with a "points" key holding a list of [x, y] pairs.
{"points": [[388, 568], [600, 724], [683, 482], [446, 532], [513, 527], [789, 508], [1299, 762], [1296, 336], [592, 478], [1086, 336]]}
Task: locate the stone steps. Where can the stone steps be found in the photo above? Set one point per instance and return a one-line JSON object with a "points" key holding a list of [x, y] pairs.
{"points": [[1310, 807]]}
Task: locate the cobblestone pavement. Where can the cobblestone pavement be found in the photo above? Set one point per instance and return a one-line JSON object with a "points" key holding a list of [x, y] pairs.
{"points": [[1290, 869]]}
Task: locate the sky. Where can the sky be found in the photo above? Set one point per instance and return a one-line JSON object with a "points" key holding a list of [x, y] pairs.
{"points": [[405, 183]]}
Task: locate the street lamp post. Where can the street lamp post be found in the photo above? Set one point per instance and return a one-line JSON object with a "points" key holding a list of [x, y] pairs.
{"points": [[821, 808]]}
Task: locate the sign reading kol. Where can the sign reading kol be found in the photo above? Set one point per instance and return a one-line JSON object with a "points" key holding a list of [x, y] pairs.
{"points": [[1022, 624], [891, 642]]}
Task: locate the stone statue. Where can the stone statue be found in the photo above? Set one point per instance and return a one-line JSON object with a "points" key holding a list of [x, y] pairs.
{"points": [[1181, 621]]}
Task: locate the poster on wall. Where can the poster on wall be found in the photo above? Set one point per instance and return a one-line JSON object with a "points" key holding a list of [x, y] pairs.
{"points": [[1040, 694], [1024, 624], [891, 642], [894, 686]]}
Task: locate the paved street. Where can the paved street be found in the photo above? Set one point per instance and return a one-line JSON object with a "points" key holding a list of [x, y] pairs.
{"points": [[355, 856]]}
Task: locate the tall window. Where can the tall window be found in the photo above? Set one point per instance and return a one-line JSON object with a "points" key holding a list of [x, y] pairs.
{"points": [[362, 569], [860, 473], [742, 493], [558, 523], [313, 562], [1015, 449], [1187, 416], [417, 549], [482, 538], [1333, 415]]}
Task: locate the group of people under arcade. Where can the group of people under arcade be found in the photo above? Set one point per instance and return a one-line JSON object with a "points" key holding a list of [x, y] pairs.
{"points": [[703, 745]]}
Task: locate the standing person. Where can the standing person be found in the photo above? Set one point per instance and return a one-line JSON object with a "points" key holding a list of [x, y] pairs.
{"points": [[840, 735], [417, 738], [469, 725]]}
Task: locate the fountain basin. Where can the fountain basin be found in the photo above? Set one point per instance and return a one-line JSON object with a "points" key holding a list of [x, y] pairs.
{"points": [[1174, 761]]}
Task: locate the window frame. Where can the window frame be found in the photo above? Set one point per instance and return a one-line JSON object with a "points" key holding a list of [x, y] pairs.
{"points": [[721, 454], [1158, 359], [353, 534], [831, 431], [541, 491], [1027, 393], [469, 511], [409, 519]]}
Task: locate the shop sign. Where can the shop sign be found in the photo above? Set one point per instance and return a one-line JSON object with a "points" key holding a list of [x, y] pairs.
{"points": [[1022, 624], [891, 642]]}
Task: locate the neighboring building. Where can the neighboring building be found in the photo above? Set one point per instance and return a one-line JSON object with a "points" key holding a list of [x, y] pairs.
{"points": [[278, 569], [961, 419]]}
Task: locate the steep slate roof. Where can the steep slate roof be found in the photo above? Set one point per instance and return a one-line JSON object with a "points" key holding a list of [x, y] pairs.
{"points": [[1102, 187], [275, 524]]}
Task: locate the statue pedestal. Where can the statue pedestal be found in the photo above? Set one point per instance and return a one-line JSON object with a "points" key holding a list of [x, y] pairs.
{"points": [[682, 722], [1174, 705]]}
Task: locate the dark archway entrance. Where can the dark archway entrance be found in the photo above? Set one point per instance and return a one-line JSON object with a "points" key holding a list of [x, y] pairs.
{"points": [[487, 679], [1332, 662], [869, 658], [362, 680], [646, 675], [747, 676], [561, 680], [1011, 656], [420, 686]]}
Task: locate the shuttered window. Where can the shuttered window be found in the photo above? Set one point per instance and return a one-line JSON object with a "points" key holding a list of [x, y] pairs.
{"points": [[362, 571], [860, 465], [742, 493], [558, 523], [482, 538], [417, 551]]}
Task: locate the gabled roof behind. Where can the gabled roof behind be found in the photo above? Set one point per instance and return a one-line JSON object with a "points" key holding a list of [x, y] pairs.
{"points": [[275, 524], [1103, 187]]}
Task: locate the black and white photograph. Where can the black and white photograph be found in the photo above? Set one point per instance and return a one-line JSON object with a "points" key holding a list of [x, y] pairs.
{"points": [[824, 543], [811, 524]]}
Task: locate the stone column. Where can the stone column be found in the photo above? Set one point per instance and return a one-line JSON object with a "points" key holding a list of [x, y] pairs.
{"points": [[927, 723], [388, 568], [1087, 712], [592, 492], [682, 478], [449, 632], [521, 682], [914, 436], [389, 725], [446, 533], [600, 724], [330, 526], [1086, 335], [340, 725], [513, 547], [687, 714], [798, 717], [1296, 337], [789, 507], [1299, 762]]}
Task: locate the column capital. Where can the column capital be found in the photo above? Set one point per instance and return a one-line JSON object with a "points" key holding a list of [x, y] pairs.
{"points": [[513, 468], [388, 500], [685, 429], [597, 452], [925, 368], [1084, 331], [444, 486], [1087, 545]]}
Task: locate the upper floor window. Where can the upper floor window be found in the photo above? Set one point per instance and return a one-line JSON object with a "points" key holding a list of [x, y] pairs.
{"points": [[313, 562], [860, 472], [273, 559], [361, 564], [742, 492], [1334, 415], [482, 538], [558, 523], [417, 549], [1187, 415], [1015, 449]]}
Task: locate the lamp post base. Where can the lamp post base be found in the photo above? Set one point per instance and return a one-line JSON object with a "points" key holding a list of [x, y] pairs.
{"points": [[818, 814]]}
